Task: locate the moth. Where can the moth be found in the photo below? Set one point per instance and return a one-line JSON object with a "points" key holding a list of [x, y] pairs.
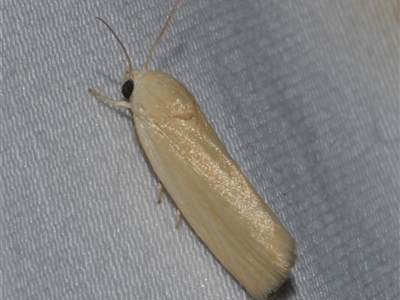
{"points": [[211, 192]]}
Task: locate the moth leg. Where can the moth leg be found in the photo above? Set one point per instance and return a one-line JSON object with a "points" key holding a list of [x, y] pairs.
{"points": [[159, 192], [178, 218], [120, 103]]}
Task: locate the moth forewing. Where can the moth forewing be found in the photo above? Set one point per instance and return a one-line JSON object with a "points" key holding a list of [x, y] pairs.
{"points": [[209, 189]]}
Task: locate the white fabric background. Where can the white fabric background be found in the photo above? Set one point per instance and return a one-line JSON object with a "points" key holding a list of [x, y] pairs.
{"points": [[304, 94]]}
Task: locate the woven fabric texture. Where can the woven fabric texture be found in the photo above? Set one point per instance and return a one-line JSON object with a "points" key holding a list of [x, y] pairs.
{"points": [[304, 94]]}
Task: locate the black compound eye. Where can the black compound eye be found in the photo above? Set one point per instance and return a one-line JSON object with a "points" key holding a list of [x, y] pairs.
{"points": [[127, 89]]}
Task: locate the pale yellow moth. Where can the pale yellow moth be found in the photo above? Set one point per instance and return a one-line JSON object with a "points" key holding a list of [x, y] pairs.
{"points": [[211, 192]]}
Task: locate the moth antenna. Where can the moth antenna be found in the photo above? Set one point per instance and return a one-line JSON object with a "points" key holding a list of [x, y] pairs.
{"points": [[130, 67], [160, 34]]}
